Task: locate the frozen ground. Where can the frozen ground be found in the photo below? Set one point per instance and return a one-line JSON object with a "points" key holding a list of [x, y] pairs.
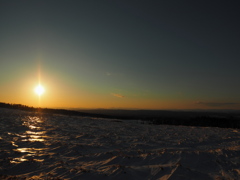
{"points": [[37, 146]]}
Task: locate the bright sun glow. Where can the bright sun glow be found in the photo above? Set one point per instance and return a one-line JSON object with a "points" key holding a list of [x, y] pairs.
{"points": [[39, 90]]}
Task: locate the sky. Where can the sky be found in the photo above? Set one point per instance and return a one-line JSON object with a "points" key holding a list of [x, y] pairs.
{"points": [[127, 54]]}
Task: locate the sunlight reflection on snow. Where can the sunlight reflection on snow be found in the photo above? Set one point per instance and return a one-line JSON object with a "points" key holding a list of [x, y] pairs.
{"points": [[34, 124], [35, 133]]}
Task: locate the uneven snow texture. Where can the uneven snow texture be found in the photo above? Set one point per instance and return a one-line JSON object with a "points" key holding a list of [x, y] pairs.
{"points": [[44, 146]]}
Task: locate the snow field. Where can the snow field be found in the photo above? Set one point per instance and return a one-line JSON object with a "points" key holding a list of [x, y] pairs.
{"points": [[44, 146]]}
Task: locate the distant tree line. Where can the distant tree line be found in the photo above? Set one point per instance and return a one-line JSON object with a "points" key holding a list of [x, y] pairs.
{"points": [[16, 106], [52, 111], [203, 121], [43, 110]]}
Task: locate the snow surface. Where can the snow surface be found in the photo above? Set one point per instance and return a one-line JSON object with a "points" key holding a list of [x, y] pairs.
{"points": [[44, 146]]}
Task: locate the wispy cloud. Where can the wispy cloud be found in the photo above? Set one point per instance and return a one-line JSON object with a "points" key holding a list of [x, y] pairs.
{"points": [[114, 74], [118, 95], [108, 73], [217, 104]]}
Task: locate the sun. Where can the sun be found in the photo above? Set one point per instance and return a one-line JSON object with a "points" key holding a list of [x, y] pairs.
{"points": [[39, 90]]}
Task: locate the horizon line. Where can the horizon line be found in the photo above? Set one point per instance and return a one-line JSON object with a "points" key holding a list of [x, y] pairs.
{"points": [[126, 109]]}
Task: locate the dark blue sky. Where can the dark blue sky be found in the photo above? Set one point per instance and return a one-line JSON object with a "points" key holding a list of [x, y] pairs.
{"points": [[155, 54]]}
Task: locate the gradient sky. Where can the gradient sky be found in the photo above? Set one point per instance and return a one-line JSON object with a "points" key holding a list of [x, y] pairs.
{"points": [[121, 53]]}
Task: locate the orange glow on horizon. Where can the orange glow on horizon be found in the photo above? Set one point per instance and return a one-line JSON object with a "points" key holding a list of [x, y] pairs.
{"points": [[50, 89]]}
